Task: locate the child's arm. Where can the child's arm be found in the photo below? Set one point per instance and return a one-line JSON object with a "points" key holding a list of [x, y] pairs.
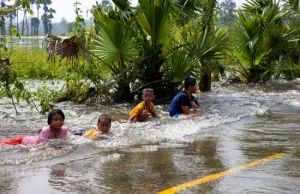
{"points": [[131, 119], [135, 112], [194, 104], [187, 111], [154, 114], [95, 137], [92, 135]]}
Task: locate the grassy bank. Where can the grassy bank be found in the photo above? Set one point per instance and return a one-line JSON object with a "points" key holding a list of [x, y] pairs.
{"points": [[31, 63]]}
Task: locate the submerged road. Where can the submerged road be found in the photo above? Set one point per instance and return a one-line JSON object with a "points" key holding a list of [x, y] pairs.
{"points": [[218, 175], [247, 142]]}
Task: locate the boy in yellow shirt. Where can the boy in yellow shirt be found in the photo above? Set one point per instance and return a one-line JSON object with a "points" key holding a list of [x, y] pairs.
{"points": [[103, 126], [144, 109]]}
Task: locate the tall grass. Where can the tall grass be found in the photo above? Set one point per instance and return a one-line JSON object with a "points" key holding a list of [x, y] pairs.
{"points": [[31, 63]]}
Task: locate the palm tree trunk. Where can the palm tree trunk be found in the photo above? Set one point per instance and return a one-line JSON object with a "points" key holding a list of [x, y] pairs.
{"points": [[205, 73], [23, 23], [205, 79], [17, 20]]}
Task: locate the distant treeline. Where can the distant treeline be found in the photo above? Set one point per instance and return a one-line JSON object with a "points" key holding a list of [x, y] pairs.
{"points": [[58, 28]]}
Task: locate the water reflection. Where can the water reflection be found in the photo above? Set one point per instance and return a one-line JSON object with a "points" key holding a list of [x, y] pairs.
{"points": [[8, 185], [27, 41]]}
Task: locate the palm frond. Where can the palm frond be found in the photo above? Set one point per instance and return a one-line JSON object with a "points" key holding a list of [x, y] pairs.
{"points": [[68, 48], [124, 7], [179, 66], [113, 42], [277, 39], [293, 7], [156, 22], [255, 6], [209, 46], [247, 36]]}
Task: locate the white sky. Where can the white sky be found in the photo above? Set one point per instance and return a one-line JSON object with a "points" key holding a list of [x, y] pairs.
{"points": [[65, 8]]}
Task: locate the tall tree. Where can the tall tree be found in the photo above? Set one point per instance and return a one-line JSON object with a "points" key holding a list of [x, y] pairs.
{"points": [[35, 22], [2, 18], [47, 16], [262, 39], [25, 23], [227, 13], [208, 9], [35, 26]]}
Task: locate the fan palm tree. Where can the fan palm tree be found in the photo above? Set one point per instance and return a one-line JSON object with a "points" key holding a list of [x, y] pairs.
{"points": [[208, 8], [142, 45], [261, 38], [158, 22], [115, 47], [155, 29]]}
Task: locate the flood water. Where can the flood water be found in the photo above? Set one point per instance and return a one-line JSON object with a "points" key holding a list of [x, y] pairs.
{"points": [[241, 124]]}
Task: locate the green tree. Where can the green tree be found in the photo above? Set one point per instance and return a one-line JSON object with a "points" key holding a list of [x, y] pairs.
{"points": [[208, 9], [10, 85], [262, 38], [138, 44], [47, 16], [70, 26], [227, 13], [35, 26]]}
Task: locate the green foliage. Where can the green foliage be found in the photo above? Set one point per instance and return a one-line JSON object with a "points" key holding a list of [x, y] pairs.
{"points": [[180, 66], [154, 45], [31, 63], [75, 89], [15, 32], [46, 98], [79, 25], [113, 43], [11, 86], [263, 40]]}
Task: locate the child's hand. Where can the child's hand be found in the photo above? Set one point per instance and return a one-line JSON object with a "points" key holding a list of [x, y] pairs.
{"points": [[201, 109], [193, 114], [131, 119], [193, 103]]}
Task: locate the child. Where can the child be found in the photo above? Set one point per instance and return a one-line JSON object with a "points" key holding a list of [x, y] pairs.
{"points": [[184, 100], [103, 126], [55, 130], [144, 109]]}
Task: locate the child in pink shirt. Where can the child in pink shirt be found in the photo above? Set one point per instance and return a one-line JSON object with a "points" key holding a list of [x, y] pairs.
{"points": [[55, 130]]}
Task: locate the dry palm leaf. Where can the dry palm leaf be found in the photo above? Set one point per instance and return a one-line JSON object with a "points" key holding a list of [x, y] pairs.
{"points": [[68, 48]]}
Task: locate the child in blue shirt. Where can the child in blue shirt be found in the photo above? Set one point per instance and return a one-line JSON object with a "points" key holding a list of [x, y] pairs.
{"points": [[184, 100]]}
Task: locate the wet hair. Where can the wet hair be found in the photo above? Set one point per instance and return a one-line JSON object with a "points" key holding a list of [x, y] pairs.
{"points": [[54, 112], [148, 90], [104, 116], [189, 81]]}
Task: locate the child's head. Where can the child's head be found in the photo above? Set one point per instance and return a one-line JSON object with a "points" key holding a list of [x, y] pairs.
{"points": [[104, 123], [148, 95], [56, 118], [190, 82]]}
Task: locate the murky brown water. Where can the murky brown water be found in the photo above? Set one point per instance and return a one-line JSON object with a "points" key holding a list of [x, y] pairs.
{"points": [[241, 124]]}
